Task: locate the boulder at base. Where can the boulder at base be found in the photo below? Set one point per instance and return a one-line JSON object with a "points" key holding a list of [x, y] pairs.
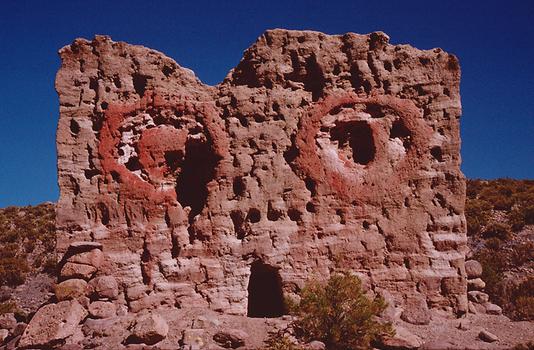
{"points": [[53, 323]]}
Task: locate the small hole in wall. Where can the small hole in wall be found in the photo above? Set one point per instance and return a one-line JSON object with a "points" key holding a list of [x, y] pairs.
{"points": [[366, 225], [90, 173], [104, 105], [311, 185], [341, 214], [254, 215], [375, 110], [399, 130], [424, 61], [133, 164], [115, 176], [272, 213], [292, 152], [173, 159], [358, 136], [108, 89], [310, 207], [259, 118], [437, 153], [104, 213], [440, 200], [239, 186], [294, 214], [139, 83], [117, 82], [74, 127], [243, 120], [167, 71], [238, 219], [93, 84]]}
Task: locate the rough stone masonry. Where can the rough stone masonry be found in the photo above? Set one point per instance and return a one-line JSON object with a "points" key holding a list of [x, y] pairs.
{"points": [[317, 153]]}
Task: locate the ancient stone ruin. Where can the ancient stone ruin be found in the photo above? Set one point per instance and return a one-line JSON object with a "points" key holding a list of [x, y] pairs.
{"points": [[316, 154]]}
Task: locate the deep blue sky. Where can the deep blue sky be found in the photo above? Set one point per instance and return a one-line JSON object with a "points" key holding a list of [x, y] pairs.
{"points": [[493, 39]]}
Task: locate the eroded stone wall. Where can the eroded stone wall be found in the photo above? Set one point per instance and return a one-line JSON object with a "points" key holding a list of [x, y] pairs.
{"points": [[316, 153]]}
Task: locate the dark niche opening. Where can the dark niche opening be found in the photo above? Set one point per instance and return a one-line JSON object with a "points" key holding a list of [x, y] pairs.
{"points": [[173, 159], [238, 219], [74, 127], [133, 164], [437, 153], [139, 83], [399, 130], [355, 139], [265, 296], [198, 168], [239, 186]]}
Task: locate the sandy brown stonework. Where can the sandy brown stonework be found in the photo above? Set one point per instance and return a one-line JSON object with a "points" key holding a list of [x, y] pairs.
{"points": [[316, 153]]}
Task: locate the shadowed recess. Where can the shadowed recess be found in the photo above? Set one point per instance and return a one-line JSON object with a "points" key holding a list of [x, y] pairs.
{"points": [[265, 297]]}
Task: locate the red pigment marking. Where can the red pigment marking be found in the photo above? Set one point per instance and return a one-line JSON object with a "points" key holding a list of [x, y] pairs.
{"points": [[153, 145], [310, 164]]}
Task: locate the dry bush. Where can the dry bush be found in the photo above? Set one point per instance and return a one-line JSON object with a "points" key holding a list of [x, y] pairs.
{"points": [[339, 314], [477, 213], [497, 230], [28, 238]]}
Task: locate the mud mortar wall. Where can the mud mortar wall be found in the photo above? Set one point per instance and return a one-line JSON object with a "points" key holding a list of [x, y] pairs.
{"points": [[316, 153]]}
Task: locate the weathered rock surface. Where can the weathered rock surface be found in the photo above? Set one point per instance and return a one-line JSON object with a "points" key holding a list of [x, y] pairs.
{"points": [[473, 269], [150, 329], [476, 284], [403, 339], [493, 309], [73, 270], [8, 321], [3, 334], [316, 153], [105, 287], [102, 309], [416, 311], [478, 297], [70, 289], [231, 338], [487, 336], [52, 324]]}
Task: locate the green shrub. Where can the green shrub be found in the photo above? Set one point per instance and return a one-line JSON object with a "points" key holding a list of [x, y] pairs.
{"points": [[493, 264], [340, 315]]}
